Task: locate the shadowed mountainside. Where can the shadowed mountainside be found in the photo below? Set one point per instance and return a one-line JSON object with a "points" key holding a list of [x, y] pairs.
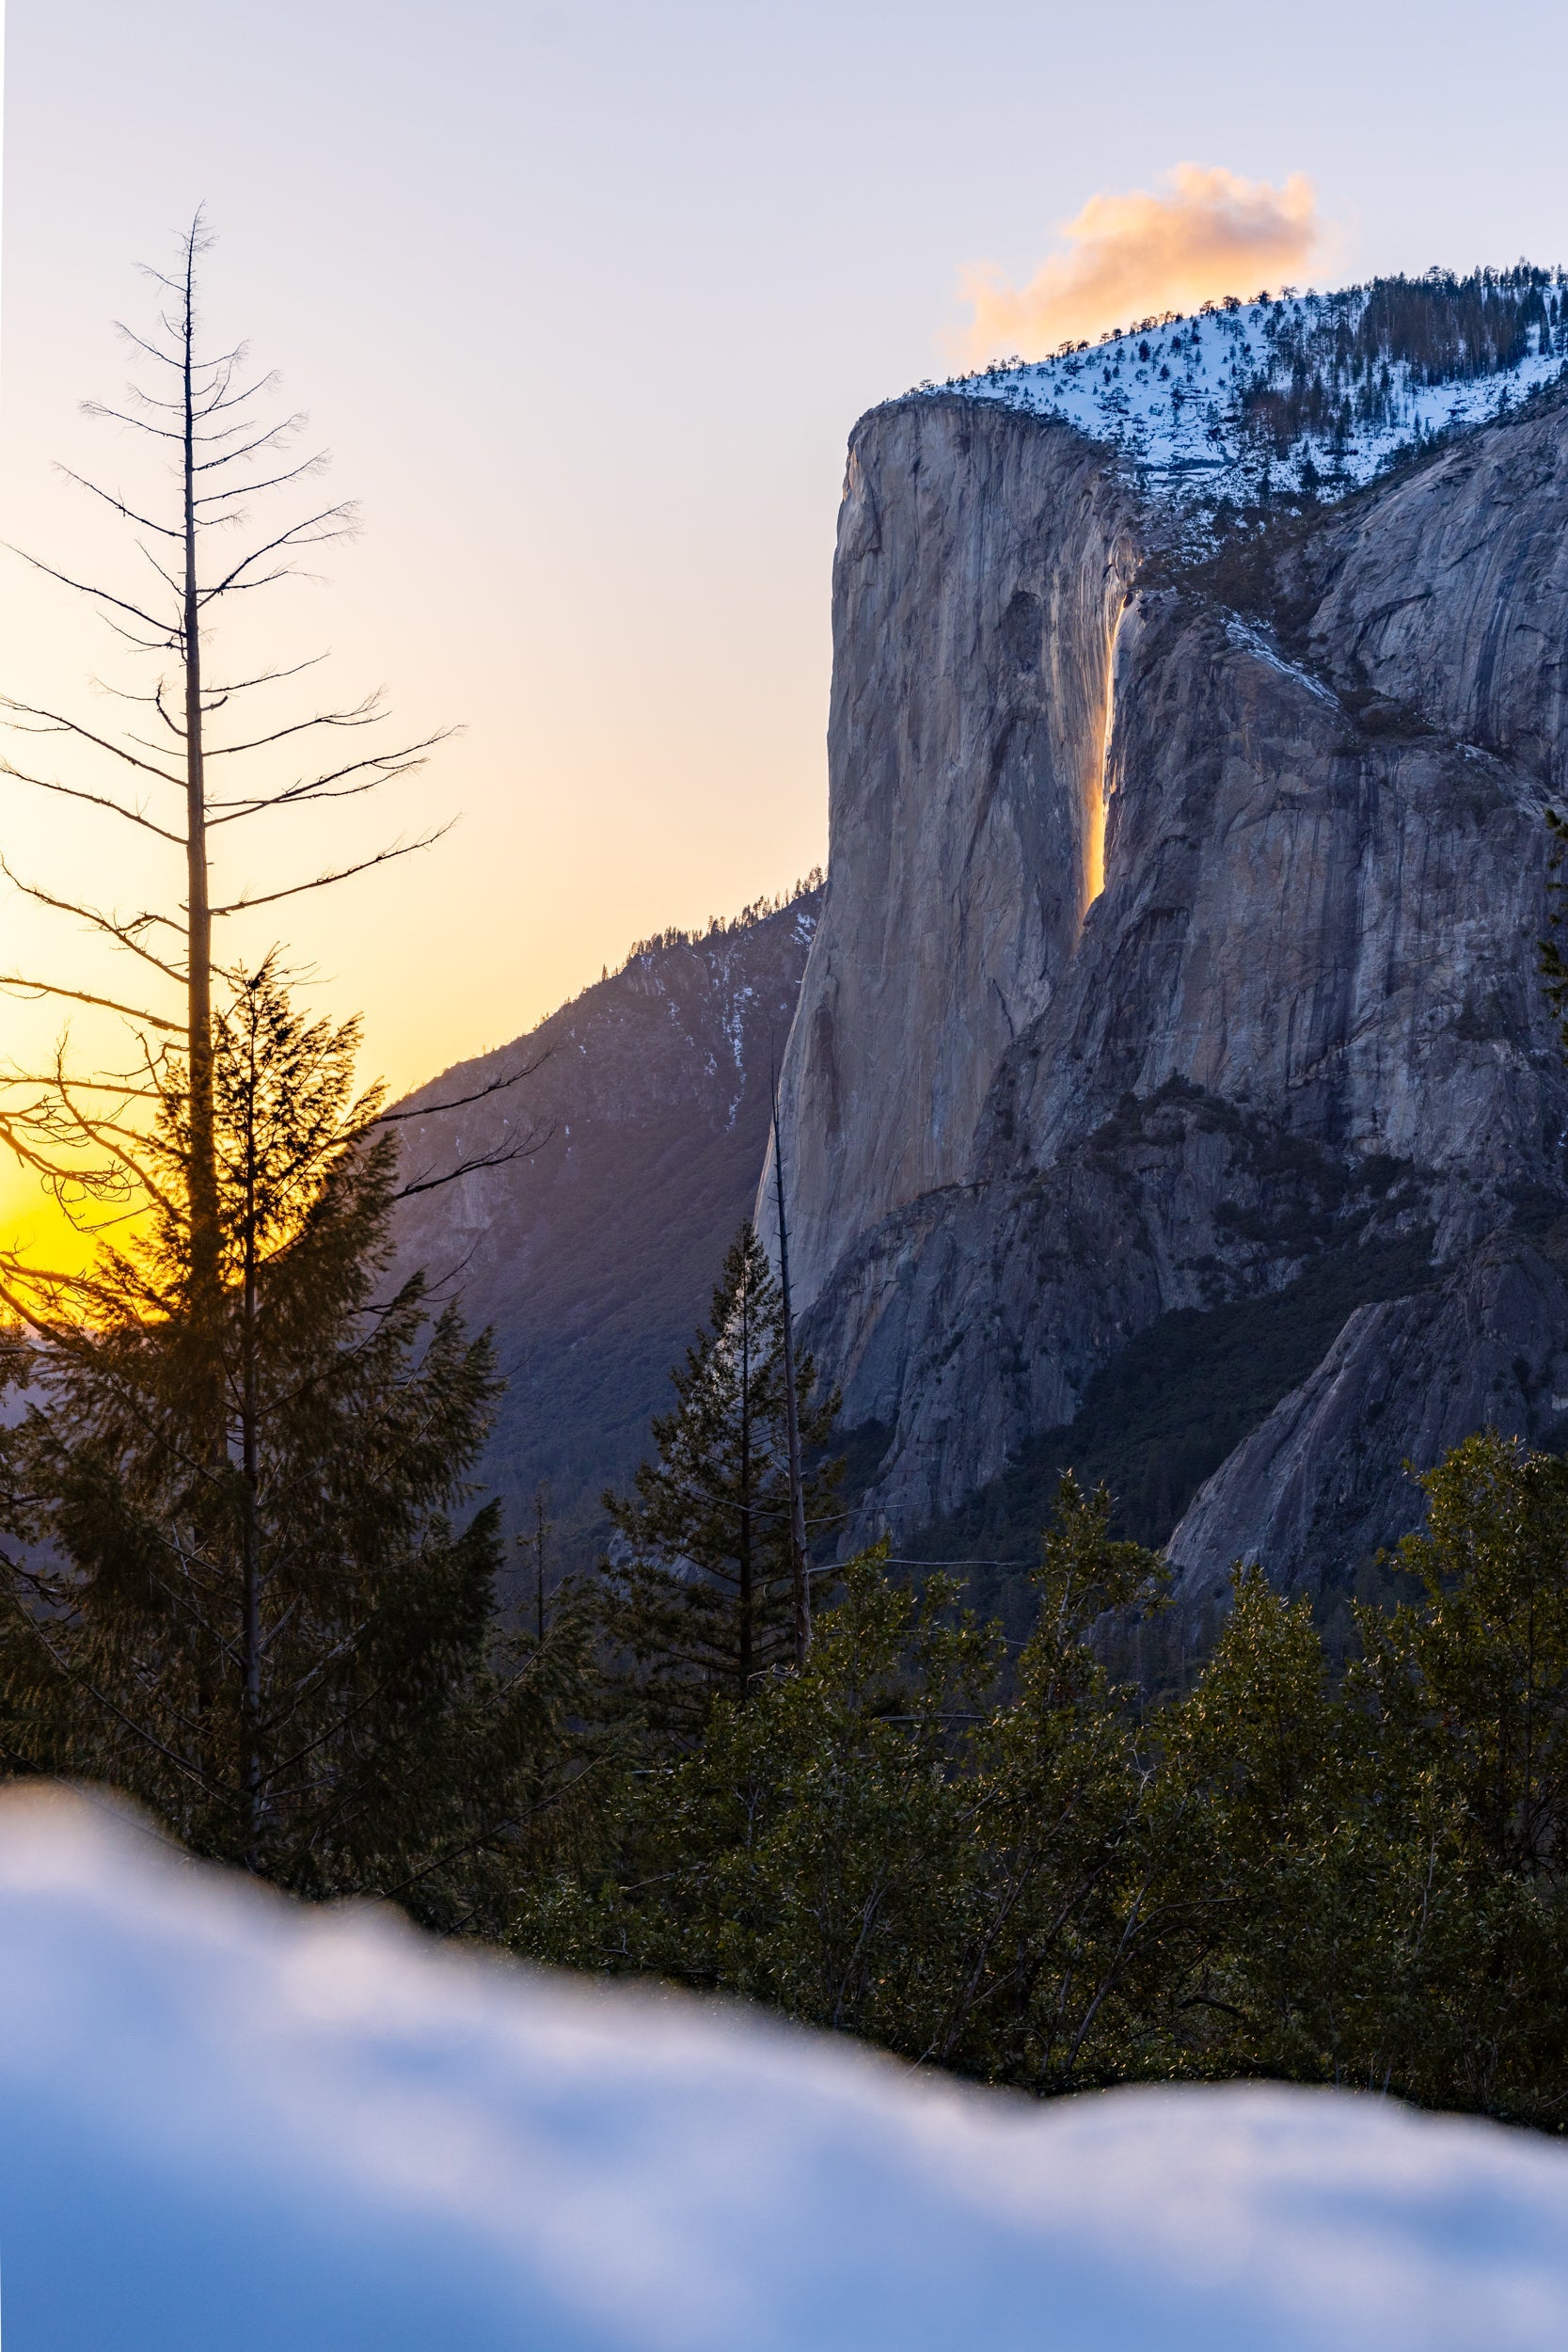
{"points": [[593, 1257]]}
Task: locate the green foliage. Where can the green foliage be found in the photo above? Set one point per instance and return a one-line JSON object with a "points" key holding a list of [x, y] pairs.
{"points": [[699, 1587], [1275, 1859], [875, 1846], [1022, 1876], [812, 1851], [1479, 1674], [248, 1600], [1467, 1694]]}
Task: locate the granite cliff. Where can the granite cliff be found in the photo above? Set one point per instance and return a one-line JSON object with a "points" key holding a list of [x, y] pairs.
{"points": [[1175, 979]]}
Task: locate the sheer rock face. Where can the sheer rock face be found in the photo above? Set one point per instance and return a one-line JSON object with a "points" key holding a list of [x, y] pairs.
{"points": [[1446, 592], [1311, 1486], [979, 574], [1024, 1120]]}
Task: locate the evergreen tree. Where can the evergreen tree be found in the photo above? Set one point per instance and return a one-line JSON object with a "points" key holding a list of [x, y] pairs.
{"points": [[1374, 1879], [1479, 1671], [1031, 1881], [1279, 1865], [247, 1599], [1467, 1695], [1051, 1981], [818, 1847], [884, 1845], [205, 415], [698, 1584]]}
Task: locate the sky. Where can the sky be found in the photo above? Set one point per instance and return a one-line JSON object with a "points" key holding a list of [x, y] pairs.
{"points": [[584, 301]]}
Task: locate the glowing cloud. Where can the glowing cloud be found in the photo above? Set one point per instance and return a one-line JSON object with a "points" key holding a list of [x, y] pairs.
{"points": [[1208, 234]]}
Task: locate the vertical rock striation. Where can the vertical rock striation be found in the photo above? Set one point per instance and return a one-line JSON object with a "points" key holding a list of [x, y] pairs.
{"points": [[982, 563]]}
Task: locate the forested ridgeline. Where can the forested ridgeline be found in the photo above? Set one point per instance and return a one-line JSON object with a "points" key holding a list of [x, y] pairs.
{"points": [[1327, 368]]}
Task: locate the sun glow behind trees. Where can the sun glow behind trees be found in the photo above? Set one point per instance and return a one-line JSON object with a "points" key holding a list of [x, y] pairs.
{"points": [[194, 729]]}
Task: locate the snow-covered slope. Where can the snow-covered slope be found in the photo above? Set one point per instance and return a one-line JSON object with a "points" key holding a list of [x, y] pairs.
{"points": [[1315, 391], [228, 2120]]}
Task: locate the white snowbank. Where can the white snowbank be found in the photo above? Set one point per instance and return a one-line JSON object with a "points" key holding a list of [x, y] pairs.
{"points": [[227, 2122]]}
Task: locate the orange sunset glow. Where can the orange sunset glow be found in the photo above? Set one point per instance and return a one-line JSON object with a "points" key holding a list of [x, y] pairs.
{"points": [[1210, 232]]}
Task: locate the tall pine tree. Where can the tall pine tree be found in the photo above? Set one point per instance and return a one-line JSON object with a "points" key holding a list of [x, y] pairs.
{"points": [[698, 1584], [247, 1600]]}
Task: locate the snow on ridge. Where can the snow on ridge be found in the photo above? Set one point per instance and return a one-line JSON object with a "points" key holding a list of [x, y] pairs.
{"points": [[1209, 405], [228, 2118]]}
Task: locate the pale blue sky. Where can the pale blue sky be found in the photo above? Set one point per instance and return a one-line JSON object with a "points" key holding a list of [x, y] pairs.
{"points": [[586, 299]]}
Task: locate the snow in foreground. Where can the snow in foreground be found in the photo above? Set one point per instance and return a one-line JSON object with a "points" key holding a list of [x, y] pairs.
{"points": [[226, 2120]]}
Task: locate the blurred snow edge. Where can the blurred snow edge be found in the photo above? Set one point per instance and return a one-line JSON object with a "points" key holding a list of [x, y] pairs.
{"points": [[229, 2118]]}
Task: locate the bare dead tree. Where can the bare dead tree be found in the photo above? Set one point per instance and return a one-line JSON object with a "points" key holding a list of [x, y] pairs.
{"points": [[800, 1566], [540, 1540], [188, 764], [229, 1117]]}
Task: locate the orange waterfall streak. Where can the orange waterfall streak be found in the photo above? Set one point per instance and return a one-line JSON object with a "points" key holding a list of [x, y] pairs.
{"points": [[1097, 793]]}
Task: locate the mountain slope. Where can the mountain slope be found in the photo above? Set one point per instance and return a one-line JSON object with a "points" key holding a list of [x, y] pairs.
{"points": [[593, 1257]]}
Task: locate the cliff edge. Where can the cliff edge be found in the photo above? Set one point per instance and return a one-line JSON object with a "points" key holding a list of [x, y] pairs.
{"points": [[1178, 961]]}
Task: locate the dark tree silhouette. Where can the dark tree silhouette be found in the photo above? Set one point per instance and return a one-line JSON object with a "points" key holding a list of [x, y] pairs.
{"points": [[243, 1599], [189, 762], [701, 1587]]}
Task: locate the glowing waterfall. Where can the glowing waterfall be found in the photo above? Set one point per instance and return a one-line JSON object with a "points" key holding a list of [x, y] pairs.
{"points": [[1098, 794]]}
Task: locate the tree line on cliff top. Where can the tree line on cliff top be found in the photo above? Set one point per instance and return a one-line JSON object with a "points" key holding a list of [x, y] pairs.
{"points": [[245, 1579]]}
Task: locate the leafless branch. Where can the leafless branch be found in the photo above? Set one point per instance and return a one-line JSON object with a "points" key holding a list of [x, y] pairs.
{"points": [[167, 643], [120, 1088], [213, 407], [322, 882], [54, 722], [167, 358], [305, 534], [123, 934], [84, 588], [523, 1150], [94, 800], [275, 482], [378, 768], [14, 981], [263, 440], [167, 578], [461, 1102], [213, 697], [109, 498], [365, 714], [103, 414]]}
